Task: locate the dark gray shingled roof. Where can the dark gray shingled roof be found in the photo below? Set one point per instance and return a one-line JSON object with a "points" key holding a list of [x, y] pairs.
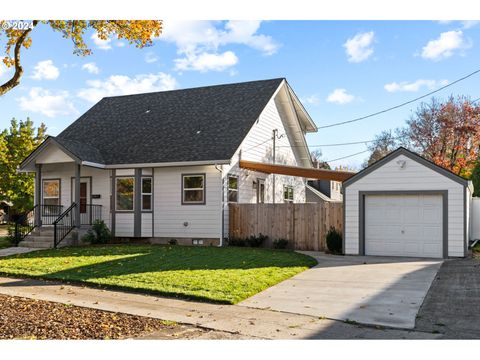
{"points": [[199, 124]]}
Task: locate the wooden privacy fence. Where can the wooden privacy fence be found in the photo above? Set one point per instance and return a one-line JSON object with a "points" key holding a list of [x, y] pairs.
{"points": [[304, 225]]}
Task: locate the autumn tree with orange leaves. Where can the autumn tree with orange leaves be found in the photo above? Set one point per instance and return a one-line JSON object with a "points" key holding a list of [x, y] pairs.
{"points": [[138, 32], [447, 133]]}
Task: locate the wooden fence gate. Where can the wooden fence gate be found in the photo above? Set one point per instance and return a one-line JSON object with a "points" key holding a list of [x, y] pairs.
{"points": [[304, 225]]}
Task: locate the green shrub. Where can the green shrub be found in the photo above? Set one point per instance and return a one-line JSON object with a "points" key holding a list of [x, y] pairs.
{"points": [[11, 234], [98, 233], [256, 240], [234, 241], [280, 243], [334, 241], [173, 242]]}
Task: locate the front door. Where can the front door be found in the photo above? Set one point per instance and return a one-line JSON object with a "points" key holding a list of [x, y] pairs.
{"points": [[83, 197], [85, 186]]}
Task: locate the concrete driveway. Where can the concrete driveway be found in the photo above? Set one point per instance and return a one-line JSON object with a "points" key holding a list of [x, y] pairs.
{"points": [[373, 290]]}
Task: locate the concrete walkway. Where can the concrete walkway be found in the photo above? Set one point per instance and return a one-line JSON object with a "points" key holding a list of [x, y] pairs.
{"points": [[251, 323], [16, 250], [382, 291]]}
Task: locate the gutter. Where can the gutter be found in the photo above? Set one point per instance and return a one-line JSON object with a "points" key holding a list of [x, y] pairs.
{"points": [[222, 204]]}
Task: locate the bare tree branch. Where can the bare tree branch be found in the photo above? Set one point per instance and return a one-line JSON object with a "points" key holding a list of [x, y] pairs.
{"points": [[15, 80]]}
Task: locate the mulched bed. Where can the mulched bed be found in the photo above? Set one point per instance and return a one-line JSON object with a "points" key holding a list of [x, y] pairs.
{"points": [[22, 318]]}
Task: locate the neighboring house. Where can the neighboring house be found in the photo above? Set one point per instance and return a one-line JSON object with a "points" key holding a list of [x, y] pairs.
{"points": [[5, 207], [404, 205], [323, 191], [165, 165]]}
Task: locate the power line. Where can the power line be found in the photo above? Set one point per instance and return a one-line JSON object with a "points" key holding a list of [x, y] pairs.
{"points": [[400, 105], [346, 157]]}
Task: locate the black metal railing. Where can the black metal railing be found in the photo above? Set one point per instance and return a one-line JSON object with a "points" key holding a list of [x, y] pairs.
{"points": [[50, 213], [89, 213], [25, 225], [63, 225]]}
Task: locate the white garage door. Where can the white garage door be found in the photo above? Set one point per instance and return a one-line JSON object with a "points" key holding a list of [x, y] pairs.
{"points": [[403, 225]]}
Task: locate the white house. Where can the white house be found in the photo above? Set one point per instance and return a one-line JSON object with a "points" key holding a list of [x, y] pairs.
{"points": [[404, 205], [165, 165]]}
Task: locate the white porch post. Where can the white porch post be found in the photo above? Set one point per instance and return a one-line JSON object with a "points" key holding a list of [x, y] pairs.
{"points": [[38, 194], [77, 195]]}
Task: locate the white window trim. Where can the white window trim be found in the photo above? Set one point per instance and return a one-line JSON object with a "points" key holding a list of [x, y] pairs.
{"points": [[150, 193], [231, 189], [51, 197], [116, 197], [287, 200], [203, 189]]}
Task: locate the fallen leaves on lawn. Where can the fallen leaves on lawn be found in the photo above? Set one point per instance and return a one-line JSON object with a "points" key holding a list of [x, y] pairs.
{"points": [[22, 318]]}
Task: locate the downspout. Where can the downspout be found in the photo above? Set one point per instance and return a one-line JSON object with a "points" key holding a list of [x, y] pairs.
{"points": [[222, 203]]}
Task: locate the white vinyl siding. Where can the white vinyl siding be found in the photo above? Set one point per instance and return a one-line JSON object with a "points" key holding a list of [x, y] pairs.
{"points": [[124, 224], [100, 185], [203, 221], [261, 133], [414, 177], [147, 225]]}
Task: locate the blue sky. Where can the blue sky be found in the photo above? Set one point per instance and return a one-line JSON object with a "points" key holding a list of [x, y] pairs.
{"points": [[340, 70]]}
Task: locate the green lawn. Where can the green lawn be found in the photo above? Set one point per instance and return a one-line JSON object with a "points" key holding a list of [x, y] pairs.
{"points": [[4, 242], [226, 275]]}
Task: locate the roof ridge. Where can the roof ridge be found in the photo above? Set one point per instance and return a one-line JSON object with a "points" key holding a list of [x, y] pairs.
{"points": [[196, 87]]}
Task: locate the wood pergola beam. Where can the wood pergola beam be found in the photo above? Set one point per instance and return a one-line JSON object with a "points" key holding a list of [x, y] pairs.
{"points": [[310, 173]]}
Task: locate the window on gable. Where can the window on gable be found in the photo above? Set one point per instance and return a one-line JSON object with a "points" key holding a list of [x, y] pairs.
{"points": [[125, 187], [193, 189], [146, 193], [288, 194], [233, 188]]}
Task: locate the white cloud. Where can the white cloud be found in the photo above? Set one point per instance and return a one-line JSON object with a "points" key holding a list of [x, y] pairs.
{"points": [[201, 40], [312, 99], [124, 85], [445, 45], [91, 67], [467, 24], [414, 86], [45, 70], [150, 57], [100, 43], [340, 96], [119, 44], [48, 103], [359, 48], [207, 61]]}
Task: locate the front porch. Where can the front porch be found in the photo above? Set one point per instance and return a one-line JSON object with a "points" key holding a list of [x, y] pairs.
{"points": [[48, 226], [66, 203]]}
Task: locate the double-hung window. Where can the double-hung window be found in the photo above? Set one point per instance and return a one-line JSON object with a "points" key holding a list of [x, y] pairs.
{"points": [[233, 188], [51, 197], [288, 194], [193, 189], [146, 194], [125, 187]]}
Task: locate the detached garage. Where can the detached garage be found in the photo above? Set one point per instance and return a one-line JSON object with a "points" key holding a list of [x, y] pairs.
{"points": [[404, 205]]}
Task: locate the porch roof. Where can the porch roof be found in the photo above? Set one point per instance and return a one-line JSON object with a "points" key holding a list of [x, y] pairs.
{"points": [[310, 173]]}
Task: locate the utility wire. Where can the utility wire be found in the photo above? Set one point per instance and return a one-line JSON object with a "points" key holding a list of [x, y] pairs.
{"points": [[402, 104], [346, 157]]}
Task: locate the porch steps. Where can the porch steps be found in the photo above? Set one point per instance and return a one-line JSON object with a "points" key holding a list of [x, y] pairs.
{"points": [[43, 238]]}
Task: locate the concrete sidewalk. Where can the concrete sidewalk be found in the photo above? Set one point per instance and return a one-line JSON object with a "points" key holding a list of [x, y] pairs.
{"points": [[16, 250], [249, 322]]}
